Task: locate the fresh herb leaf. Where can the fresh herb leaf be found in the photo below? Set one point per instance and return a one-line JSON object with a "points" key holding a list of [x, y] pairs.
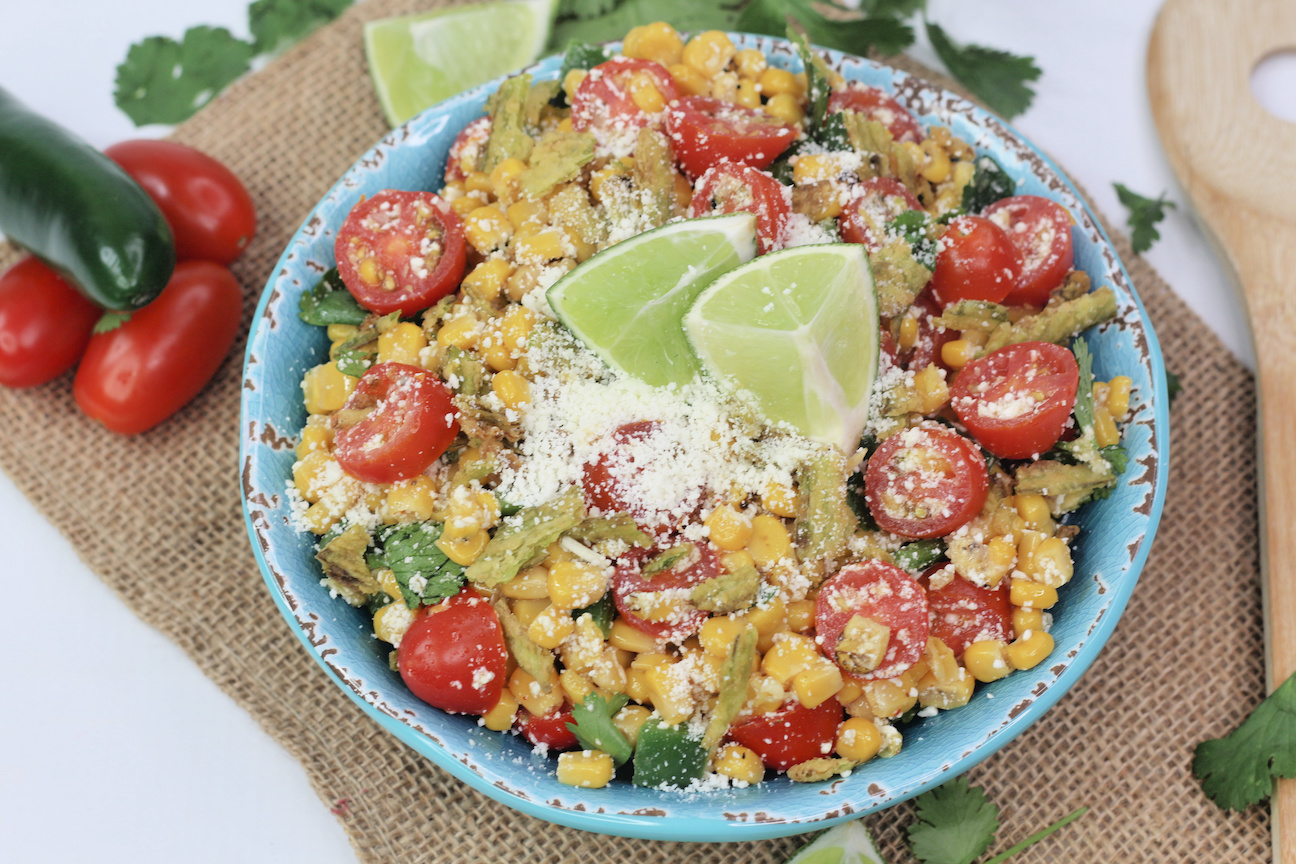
{"points": [[425, 575], [880, 29], [956, 823], [913, 226], [1239, 769], [354, 363], [602, 611], [1173, 387], [997, 77], [276, 23], [1084, 403], [1116, 457], [1144, 214], [585, 9], [990, 183], [685, 15], [165, 81], [918, 556], [893, 8], [595, 730], [580, 55], [329, 302], [110, 321]]}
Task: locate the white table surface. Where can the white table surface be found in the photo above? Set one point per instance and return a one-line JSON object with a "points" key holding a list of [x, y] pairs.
{"points": [[111, 741]]}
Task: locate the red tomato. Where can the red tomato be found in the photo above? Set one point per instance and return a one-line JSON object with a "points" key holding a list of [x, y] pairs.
{"points": [[705, 131], [791, 735], [884, 593], [550, 730], [877, 105], [401, 251], [1016, 401], [134, 377], [1041, 231], [616, 482], [927, 345], [925, 482], [465, 152], [604, 101], [684, 621], [963, 613], [977, 261], [410, 422], [209, 210], [874, 203], [453, 656], [45, 324], [730, 188]]}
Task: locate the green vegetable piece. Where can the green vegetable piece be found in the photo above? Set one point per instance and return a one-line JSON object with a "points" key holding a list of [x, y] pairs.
{"points": [[990, 183], [730, 591], [509, 138], [667, 755], [345, 567], [669, 559], [464, 372], [535, 661], [541, 97], [915, 227], [1144, 214], [898, 275], [1050, 477], [869, 136], [329, 302], [602, 611], [918, 556], [278, 23], [425, 575], [996, 77], [735, 672], [1058, 323], [619, 526], [557, 158], [522, 539], [579, 55], [826, 523], [818, 88], [686, 15], [165, 81], [654, 176], [595, 730], [973, 315], [818, 770], [956, 823], [1239, 769], [354, 363]]}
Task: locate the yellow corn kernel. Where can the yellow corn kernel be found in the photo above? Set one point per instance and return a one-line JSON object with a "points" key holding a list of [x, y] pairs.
{"points": [[531, 584], [736, 562], [770, 541], [709, 53], [630, 638], [933, 694], [725, 87], [1034, 510], [411, 501], [588, 769], [464, 551], [531, 695], [500, 718], [637, 685], [576, 584], [319, 518], [629, 720], [572, 81], [387, 581], [325, 389], [1051, 564], [778, 82], [478, 181], [486, 280], [730, 529], [929, 384], [391, 621], [527, 610], [504, 179], [940, 661], [551, 627], [887, 698], [577, 686], [750, 63], [658, 42], [908, 332], [401, 344], [498, 356], [669, 693], [314, 438], [512, 389], [527, 214], [817, 683], [936, 162], [748, 94], [683, 194], [764, 695], [460, 332], [487, 229], [1029, 650], [1105, 432], [306, 474], [1118, 396], [858, 739], [607, 672], [1032, 595], [606, 180], [779, 500], [987, 660], [768, 620], [851, 690], [465, 204], [801, 615], [740, 763], [785, 107], [688, 80], [1027, 619], [957, 353], [545, 245], [790, 654], [644, 93], [718, 634], [814, 168], [516, 327]]}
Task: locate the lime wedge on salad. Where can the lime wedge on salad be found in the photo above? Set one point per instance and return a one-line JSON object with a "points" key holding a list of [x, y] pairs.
{"points": [[418, 60], [798, 330], [626, 302], [847, 843]]}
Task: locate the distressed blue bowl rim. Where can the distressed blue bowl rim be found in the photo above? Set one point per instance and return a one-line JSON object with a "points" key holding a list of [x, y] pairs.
{"points": [[776, 808]]}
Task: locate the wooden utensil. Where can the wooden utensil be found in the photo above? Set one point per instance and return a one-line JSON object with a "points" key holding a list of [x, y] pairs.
{"points": [[1237, 163]]}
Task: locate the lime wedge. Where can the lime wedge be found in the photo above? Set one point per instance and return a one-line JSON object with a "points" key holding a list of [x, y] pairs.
{"points": [[626, 302], [847, 843], [798, 330], [418, 60]]}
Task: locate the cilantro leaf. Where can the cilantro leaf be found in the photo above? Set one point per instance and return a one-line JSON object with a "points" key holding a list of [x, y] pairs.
{"points": [[913, 226], [165, 81], [990, 183], [585, 9], [893, 8], [956, 823], [329, 302], [1173, 387], [595, 730], [1144, 214], [276, 23], [355, 362], [602, 610], [880, 30], [110, 321], [685, 15], [997, 77], [1116, 457], [1238, 770], [425, 575]]}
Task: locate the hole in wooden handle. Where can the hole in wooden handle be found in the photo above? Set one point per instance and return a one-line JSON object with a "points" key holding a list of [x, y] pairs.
{"points": [[1273, 84]]}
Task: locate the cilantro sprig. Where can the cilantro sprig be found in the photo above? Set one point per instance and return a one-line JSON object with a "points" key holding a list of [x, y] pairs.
{"points": [[997, 77], [595, 730], [425, 575], [1239, 769], [1144, 214]]}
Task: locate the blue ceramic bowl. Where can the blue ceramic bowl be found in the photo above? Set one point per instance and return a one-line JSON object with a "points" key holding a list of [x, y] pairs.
{"points": [[1117, 532]]}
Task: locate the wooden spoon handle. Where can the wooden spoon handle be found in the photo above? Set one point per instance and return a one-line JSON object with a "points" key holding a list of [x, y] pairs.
{"points": [[1238, 165]]}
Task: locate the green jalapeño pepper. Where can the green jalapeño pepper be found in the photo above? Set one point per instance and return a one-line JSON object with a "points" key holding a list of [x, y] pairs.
{"points": [[71, 206]]}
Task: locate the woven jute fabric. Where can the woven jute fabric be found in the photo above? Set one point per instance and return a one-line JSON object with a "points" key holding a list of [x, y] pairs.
{"points": [[158, 518]]}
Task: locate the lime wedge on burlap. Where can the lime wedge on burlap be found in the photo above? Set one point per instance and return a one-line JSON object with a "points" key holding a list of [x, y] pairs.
{"points": [[418, 60], [798, 330], [847, 843], [626, 302]]}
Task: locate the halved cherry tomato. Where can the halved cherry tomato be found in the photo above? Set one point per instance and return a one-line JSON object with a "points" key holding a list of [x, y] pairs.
{"points": [[139, 374], [604, 102], [615, 482], [1016, 401], [1041, 231], [925, 481], [683, 619], [45, 324], [963, 613], [705, 131], [550, 730], [927, 345], [401, 251], [208, 208], [876, 104], [453, 655], [730, 188], [977, 261], [884, 593], [791, 735], [410, 422], [464, 154], [874, 202]]}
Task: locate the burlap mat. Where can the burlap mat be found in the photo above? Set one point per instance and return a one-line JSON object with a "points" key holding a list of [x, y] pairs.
{"points": [[1184, 664]]}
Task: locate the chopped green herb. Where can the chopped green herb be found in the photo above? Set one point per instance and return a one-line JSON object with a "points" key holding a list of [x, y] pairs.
{"points": [[997, 77], [329, 302], [918, 556], [425, 575], [165, 81], [277, 23], [110, 321], [1239, 769], [354, 363], [990, 183], [1173, 387], [1144, 214], [595, 730], [602, 611], [915, 227]]}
